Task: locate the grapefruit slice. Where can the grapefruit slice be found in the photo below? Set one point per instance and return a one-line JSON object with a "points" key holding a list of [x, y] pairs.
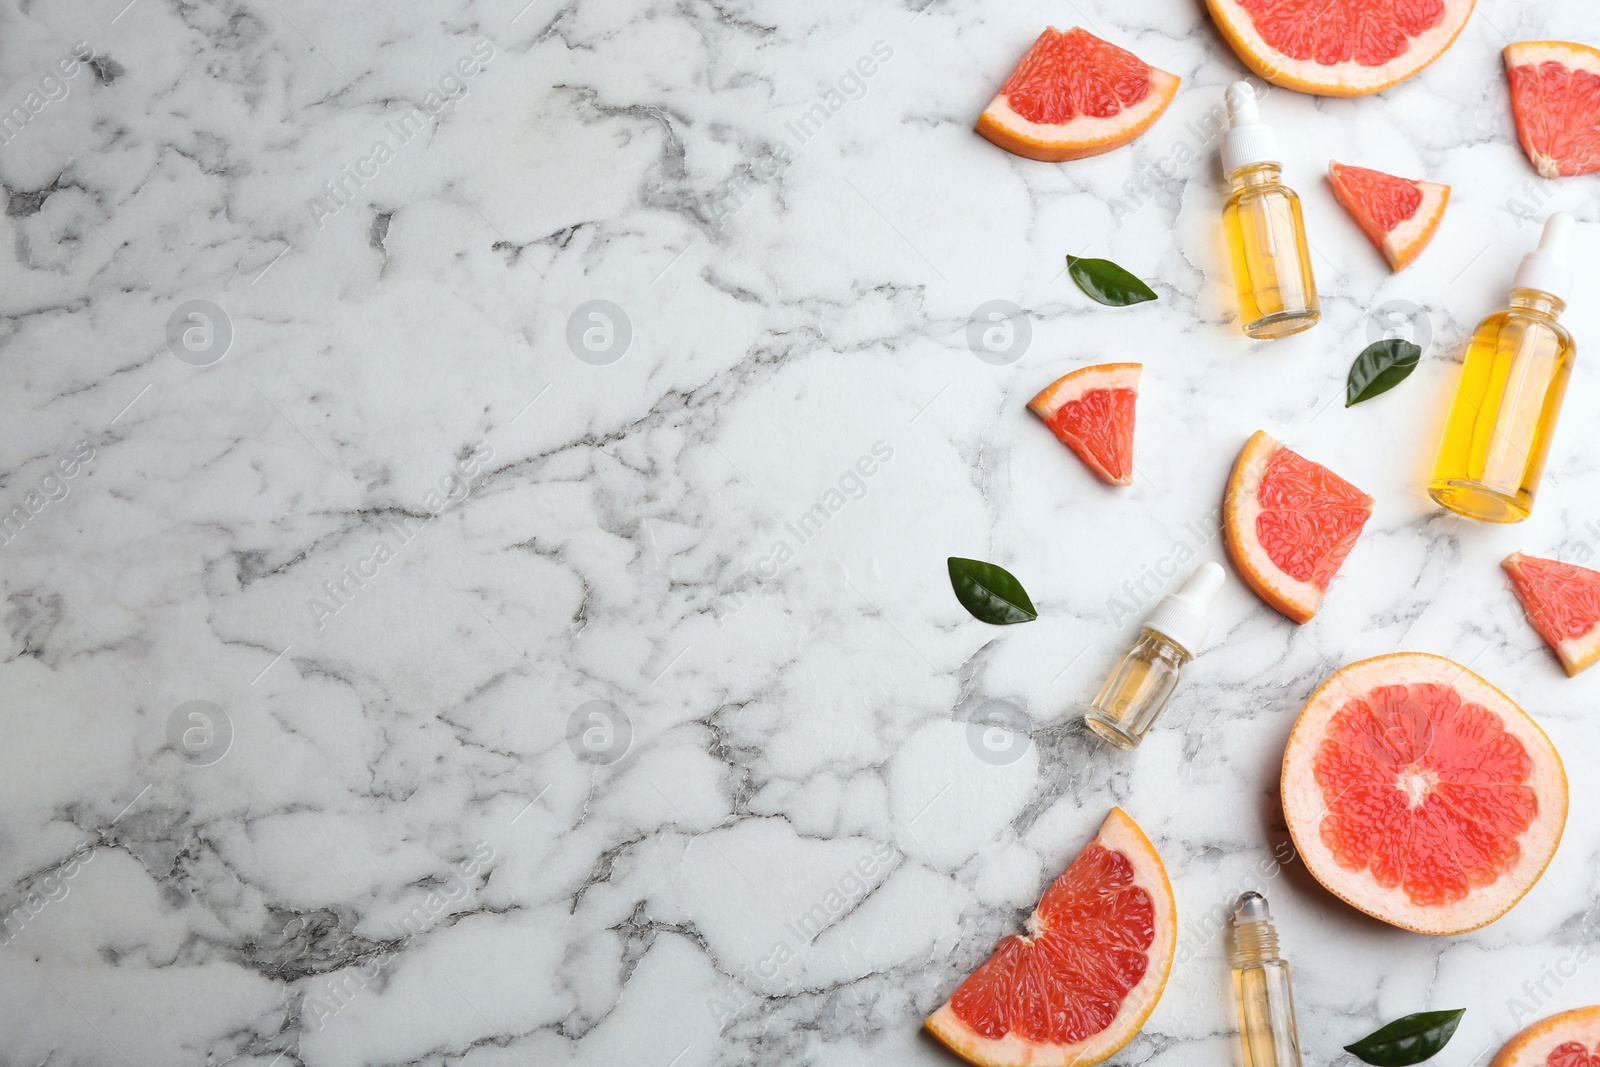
{"points": [[1339, 47], [1081, 982], [1563, 603], [1398, 215], [1420, 794], [1555, 100], [1074, 95], [1091, 410], [1570, 1039], [1288, 524]]}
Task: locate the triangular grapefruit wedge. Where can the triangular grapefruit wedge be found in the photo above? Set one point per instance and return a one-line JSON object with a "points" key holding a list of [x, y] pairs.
{"points": [[1081, 981], [1339, 47], [1091, 411], [1421, 794], [1562, 601], [1568, 1039], [1074, 95], [1288, 524], [1555, 100], [1398, 215]]}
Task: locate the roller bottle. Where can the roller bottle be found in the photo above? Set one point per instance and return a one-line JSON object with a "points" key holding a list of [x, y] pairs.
{"points": [[1267, 1031], [1509, 392], [1264, 226]]}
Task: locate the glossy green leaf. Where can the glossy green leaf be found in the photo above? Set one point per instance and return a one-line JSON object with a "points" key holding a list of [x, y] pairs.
{"points": [[1380, 367], [1410, 1040], [990, 592], [1108, 283]]}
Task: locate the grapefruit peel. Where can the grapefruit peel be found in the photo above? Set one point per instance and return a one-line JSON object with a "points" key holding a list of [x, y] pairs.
{"points": [[1091, 410], [1567, 1039], [1561, 602], [1074, 95], [1475, 755], [1277, 502], [1287, 42], [1555, 101], [1398, 215], [1140, 883]]}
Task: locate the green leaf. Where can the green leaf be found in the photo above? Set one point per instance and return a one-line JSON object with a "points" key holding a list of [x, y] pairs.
{"points": [[1380, 367], [1410, 1040], [990, 592], [1108, 283]]}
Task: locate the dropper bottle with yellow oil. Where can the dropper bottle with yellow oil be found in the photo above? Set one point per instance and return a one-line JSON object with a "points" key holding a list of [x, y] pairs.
{"points": [[1267, 1029], [1512, 382], [1146, 675], [1264, 226]]}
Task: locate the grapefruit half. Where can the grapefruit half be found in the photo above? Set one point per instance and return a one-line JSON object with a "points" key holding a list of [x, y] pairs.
{"points": [[1288, 524], [1421, 794], [1091, 411], [1398, 215], [1339, 47], [1562, 602], [1074, 95], [1081, 981], [1570, 1039], [1555, 100]]}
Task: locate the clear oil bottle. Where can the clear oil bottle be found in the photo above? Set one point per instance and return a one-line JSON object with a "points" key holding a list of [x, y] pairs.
{"points": [[1509, 394], [1264, 227], [1143, 680], [1267, 1031]]}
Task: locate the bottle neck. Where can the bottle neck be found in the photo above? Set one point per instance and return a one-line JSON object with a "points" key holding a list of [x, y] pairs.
{"points": [[1538, 302], [1255, 175], [1255, 942], [1164, 646]]}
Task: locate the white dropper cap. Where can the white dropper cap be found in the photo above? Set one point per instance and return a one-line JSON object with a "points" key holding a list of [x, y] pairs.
{"points": [[1248, 140], [1185, 616], [1548, 269]]}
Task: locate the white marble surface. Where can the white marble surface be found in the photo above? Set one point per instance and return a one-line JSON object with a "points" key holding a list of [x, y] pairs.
{"points": [[398, 812]]}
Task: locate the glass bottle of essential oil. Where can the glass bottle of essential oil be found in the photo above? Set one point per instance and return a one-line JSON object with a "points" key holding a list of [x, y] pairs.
{"points": [[1143, 680], [1510, 391], [1267, 1028], [1265, 229]]}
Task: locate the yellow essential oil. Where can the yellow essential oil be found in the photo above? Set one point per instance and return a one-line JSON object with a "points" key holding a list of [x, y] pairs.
{"points": [[1271, 262], [1265, 228], [1268, 1036], [1144, 678], [1509, 394], [1137, 690]]}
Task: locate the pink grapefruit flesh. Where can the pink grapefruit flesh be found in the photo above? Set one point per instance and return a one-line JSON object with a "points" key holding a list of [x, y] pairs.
{"points": [[1339, 47], [1074, 95], [1398, 215], [1091, 411], [1421, 794], [1288, 524], [1080, 982], [1555, 100], [1562, 602], [1569, 1039]]}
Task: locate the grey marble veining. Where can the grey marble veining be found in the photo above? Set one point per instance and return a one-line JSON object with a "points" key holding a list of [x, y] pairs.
{"points": [[403, 665]]}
